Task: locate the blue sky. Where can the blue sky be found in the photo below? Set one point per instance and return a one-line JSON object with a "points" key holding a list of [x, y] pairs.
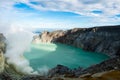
{"points": [[59, 13]]}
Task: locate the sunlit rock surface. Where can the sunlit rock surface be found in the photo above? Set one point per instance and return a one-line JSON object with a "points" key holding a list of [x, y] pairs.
{"points": [[47, 37], [103, 39], [2, 51], [98, 39]]}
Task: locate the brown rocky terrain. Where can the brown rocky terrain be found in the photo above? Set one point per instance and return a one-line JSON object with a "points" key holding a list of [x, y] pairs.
{"points": [[2, 51], [104, 39], [98, 39]]}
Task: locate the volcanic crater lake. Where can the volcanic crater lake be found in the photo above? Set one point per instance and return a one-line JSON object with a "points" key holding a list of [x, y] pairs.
{"points": [[49, 55]]}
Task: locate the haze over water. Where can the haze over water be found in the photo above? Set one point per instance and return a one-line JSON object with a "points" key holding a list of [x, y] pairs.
{"points": [[49, 55]]}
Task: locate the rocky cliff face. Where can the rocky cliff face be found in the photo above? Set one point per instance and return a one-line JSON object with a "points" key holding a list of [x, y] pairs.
{"points": [[104, 39], [7, 72], [49, 36], [108, 65], [97, 39], [2, 51]]}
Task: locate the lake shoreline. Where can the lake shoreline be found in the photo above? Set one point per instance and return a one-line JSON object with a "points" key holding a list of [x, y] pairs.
{"points": [[48, 55], [103, 39], [85, 40]]}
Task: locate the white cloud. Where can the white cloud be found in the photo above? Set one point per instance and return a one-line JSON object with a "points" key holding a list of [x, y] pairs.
{"points": [[83, 7], [109, 8]]}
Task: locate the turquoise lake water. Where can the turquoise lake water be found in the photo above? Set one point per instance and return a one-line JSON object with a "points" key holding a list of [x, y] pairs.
{"points": [[49, 55]]}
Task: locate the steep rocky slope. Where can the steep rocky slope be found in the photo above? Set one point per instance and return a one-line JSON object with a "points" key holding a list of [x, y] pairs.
{"points": [[111, 64], [2, 51], [97, 39], [104, 39], [7, 72]]}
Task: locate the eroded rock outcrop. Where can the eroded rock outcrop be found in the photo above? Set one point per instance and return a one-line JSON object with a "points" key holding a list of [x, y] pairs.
{"points": [[60, 70], [104, 39], [107, 75], [107, 65], [2, 51], [49, 36], [2, 61], [98, 39], [7, 72]]}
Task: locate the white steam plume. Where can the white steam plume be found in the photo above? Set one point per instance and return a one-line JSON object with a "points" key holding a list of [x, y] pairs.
{"points": [[43, 70], [18, 40]]}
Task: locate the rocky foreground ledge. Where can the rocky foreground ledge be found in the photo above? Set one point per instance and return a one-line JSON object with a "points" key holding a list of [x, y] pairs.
{"points": [[98, 39]]}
